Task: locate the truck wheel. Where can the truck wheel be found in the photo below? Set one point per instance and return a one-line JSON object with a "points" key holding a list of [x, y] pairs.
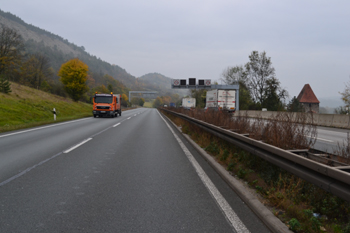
{"points": [[94, 116], [120, 113]]}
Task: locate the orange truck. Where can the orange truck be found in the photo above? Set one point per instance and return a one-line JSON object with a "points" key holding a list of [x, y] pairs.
{"points": [[107, 105]]}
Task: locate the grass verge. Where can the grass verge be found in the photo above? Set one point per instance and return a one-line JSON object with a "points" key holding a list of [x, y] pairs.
{"points": [[148, 104], [26, 107]]}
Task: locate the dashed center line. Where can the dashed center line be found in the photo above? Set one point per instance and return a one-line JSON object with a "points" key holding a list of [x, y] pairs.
{"points": [[128, 118], [76, 146], [56, 155]]}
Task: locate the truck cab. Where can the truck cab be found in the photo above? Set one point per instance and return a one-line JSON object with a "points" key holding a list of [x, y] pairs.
{"points": [[107, 105]]}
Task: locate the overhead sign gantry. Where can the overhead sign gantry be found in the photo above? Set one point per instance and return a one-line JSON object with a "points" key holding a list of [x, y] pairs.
{"points": [[149, 94], [203, 84]]}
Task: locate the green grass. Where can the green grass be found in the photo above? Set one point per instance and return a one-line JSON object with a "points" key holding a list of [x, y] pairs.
{"points": [[27, 107], [148, 104]]}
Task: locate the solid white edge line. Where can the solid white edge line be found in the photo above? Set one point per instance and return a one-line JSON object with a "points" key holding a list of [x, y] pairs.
{"points": [[49, 126], [116, 125], [229, 213], [321, 139], [76, 146]]}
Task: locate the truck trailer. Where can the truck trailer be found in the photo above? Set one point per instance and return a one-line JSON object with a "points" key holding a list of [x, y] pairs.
{"points": [[221, 99], [188, 103], [107, 105]]}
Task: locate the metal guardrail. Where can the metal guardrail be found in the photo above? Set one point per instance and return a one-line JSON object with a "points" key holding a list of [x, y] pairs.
{"points": [[335, 180]]}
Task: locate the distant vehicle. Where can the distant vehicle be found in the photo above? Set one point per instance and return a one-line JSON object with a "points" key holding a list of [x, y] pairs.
{"points": [[107, 105], [221, 99], [165, 106], [188, 103], [172, 105]]}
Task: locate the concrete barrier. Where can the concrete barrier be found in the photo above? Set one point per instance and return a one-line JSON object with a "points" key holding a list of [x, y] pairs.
{"points": [[325, 119], [340, 121], [328, 120]]}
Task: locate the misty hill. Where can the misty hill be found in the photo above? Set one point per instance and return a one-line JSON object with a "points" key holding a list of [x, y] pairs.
{"points": [[60, 50], [157, 80], [160, 82]]}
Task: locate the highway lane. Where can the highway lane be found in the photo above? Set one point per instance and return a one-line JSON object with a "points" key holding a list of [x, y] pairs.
{"points": [[329, 139], [131, 176], [23, 149]]}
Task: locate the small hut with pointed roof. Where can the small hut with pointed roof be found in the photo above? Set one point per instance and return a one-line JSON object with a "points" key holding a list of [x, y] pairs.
{"points": [[308, 99]]}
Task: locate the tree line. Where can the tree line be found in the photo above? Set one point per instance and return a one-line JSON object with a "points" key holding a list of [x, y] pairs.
{"points": [[258, 87], [22, 65]]}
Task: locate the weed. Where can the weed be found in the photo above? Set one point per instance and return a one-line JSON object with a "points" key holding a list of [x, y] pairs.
{"points": [[294, 225], [241, 173], [185, 129], [260, 189], [213, 148], [225, 155], [230, 166], [347, 228]]}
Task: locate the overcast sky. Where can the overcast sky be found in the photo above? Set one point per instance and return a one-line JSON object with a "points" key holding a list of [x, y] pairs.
{"points": [[308, 41]]}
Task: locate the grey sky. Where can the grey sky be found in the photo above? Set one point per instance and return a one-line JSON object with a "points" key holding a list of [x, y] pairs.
{"points": [[308, 41]]}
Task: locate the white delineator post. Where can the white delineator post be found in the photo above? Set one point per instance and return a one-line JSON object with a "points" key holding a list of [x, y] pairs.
{"points": [[54, 113]]}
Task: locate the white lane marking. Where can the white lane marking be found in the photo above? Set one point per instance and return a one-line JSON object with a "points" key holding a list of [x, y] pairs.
{"points": [[44, 161], [28, 170], [135, 114], [116, 125], [321, 139], [230, 215], [49, 126], [76, 146], [128, 118]]}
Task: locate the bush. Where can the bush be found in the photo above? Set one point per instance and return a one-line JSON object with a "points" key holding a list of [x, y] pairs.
{"points": [[294, 225], [5, 85]]}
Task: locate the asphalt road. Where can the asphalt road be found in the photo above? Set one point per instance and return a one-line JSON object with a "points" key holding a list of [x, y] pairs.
{"points": [[331, 139], [125, 174]]}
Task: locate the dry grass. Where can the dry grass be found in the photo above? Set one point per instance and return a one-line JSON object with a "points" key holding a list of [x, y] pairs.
{"points": [[343, 151], [280, 131]]}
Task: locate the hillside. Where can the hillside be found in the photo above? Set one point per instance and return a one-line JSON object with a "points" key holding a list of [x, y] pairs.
{"points": [[27, 107], [160, 83], [60, 50], [157, 80]]}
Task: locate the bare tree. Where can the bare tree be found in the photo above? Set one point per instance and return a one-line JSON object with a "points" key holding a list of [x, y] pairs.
{"points": [[35, 70], [237, 75], [345, 95], [11, 46], [234, 75], [259, 70]]}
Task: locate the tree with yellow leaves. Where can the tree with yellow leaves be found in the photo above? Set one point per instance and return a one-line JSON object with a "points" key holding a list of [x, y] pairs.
{"points": [[125, 100], [73, 76]]}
